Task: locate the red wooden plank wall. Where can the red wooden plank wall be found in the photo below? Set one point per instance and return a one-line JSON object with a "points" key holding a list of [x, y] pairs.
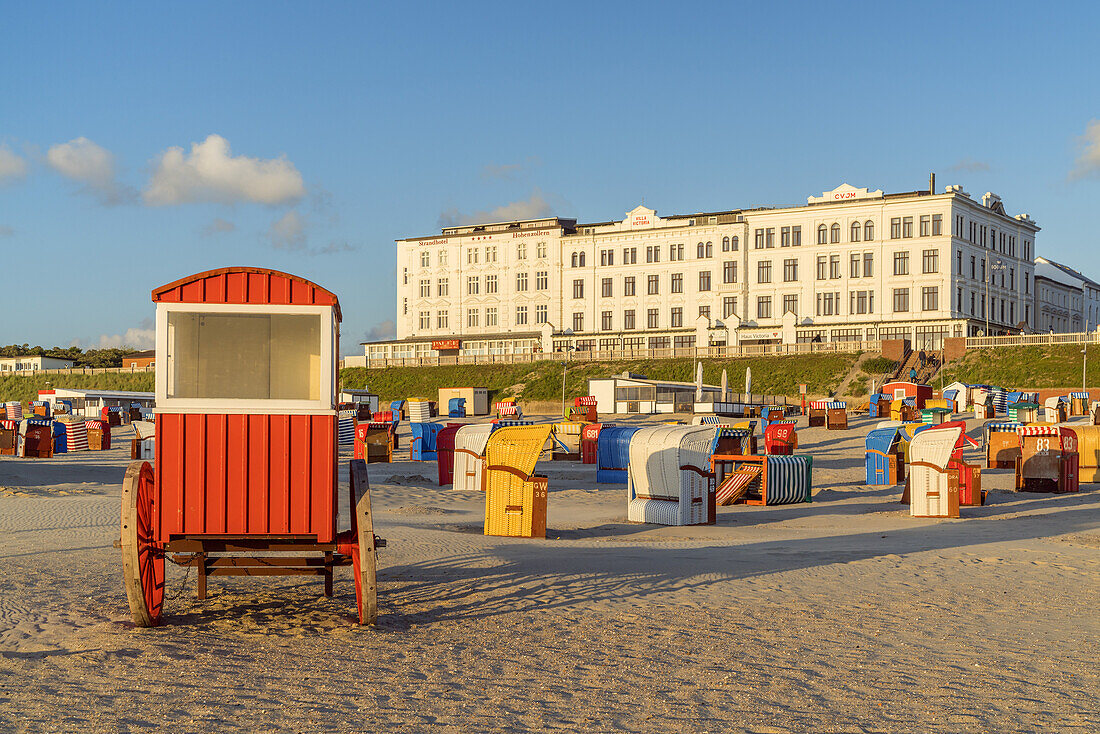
{"points": [[246, 475]]}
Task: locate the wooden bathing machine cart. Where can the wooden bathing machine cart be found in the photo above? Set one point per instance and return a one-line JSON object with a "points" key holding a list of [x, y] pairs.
{"points": [[246, 452]]}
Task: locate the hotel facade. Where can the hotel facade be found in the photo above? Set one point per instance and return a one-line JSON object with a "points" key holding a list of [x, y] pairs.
{"points": [[850, 265]]}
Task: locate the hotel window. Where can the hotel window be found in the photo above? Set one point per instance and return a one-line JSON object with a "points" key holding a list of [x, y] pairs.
{"points": [[442, 287], [725, 244], [907, 227], [472, 285], [729, 271], [763, 307], [769, 237], [758, 239], [628, 286], [628, 320], [404, 276], [790, 304], [704, 279], [605, 288], [675, 252], [931, 261], [1027, 283], [822, 235], [404, 306], [471, 317], [868, 264], [959, 262], [861, 302], [930, 298], [853, 265], [796, 236], [834, 267], [709, 251], [573, 260], [834, 233], [784, 236], [521, 281], [607, 257], [868, 231], [652, 318], [856, 229], [540, 250], [425, 319], [471, 255], [578, 289], [490, 284], [729, 306], [959, 299], [581, 259], [521, 251], [441, 319], [828, 304], [653, 254], [541, 316], [425, 288], [925, 225], [790, 270], [578, 321], [425, 259], [677, 318], [972, 304], [901, 263], [734, 243], [677, 282], [659, 342], [822, 264], [763, 272], [972, 275], [653, 287], [442, 257], [1012, 278], [1012, 312], [704, 311], [491, 316], [605, 320], [895, 228], [541, 278]]}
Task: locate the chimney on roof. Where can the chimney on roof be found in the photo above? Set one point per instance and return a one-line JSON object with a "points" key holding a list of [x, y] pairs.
{"points": [[931, 184]]}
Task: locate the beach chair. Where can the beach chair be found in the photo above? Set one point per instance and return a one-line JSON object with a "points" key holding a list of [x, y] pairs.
{"points": [[584, 409], [374, 442], [613, 453], [456, 408], [1002, 445], [76, 434], [99, 435], [927, 488], [670, 482], [515, 498], [144, 443], [818, 410], [345, 427], [36, 438], [1088, 454], [469, 456], [780, 439], [13, 410], [589, 440], [1078, 403], [885, 465], [422, 443], [734, 440], [1048, 460], [836, 415], [445, 453], [565, 441], [767, 480], [9, 437]]}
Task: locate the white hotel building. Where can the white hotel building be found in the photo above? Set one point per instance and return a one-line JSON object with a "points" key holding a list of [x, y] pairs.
{"points": [[849, 265]]}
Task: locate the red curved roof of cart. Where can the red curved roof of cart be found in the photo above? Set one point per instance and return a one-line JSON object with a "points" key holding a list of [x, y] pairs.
{"points": [[247, 285]]}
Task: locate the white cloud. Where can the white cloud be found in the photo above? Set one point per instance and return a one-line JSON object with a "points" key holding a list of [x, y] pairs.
{"points": [[382, 330], [6, 231], [211, 174], [1088, 159], [509, 171], [137, 338], [12, 167], [92, 165], [288, 232], [533, 207], [218, 226], [969, 165]]}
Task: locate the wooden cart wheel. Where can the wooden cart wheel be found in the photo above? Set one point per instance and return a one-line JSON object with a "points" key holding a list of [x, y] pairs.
{"points": [[142, 559], [364, 561]]}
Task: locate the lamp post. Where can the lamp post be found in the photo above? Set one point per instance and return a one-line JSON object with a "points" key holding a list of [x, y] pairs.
{"points": [[565, 368], [989, 306]]}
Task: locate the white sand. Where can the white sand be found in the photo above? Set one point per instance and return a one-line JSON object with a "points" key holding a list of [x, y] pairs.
{"points": [[840, 615]]}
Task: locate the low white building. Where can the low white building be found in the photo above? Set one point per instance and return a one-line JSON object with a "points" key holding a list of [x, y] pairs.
{"points": [[89, 403], [1083, 309], [34, 364]]}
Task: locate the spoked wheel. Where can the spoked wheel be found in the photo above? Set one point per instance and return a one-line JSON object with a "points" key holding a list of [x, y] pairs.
{"points": [[142, 558], [364, 563]]}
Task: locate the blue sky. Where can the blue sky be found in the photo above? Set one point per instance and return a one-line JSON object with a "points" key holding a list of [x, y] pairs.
{"points": [[341, 127]]}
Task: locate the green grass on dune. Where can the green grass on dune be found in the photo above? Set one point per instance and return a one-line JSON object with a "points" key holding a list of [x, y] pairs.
{"points": [[1032, 367], [25, 389]]}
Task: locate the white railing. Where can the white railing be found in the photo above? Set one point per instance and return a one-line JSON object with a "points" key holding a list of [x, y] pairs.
{"points": [[78, 371], [620, 355], [1086, 337]]}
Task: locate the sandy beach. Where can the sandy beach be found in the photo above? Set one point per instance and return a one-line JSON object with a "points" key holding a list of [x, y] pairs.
{"points": [[843, 615]]}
